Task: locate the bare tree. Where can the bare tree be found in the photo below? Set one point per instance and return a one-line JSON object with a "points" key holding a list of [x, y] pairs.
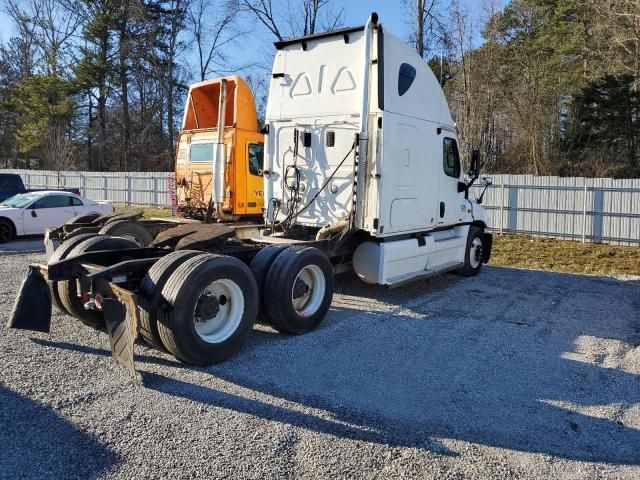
{"points": [[301, 17], [59, 152], [123, 75], [176, 15], [56, 27], [427, 25], [618, 30], [213, 26], [26, 39], [264, 12]]}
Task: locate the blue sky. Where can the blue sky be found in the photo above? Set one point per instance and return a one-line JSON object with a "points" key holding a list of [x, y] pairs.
{"points": [[392, 15]]}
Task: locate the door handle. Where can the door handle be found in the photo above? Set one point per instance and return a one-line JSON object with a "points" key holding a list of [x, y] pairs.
{"points": [[442, 208]]}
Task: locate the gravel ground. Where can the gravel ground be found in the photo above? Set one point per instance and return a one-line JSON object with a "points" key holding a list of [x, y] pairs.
{"points": [[25, 244], [512, 374]]}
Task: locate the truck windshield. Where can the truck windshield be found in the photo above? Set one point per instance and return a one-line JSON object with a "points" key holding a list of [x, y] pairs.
{"points": [[18, 201], [201, 152]]}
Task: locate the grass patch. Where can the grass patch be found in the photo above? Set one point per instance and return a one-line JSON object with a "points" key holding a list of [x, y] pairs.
{"points": [[523, 251], [147, 211]]}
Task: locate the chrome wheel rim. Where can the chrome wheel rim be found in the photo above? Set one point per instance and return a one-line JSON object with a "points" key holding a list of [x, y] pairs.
{"points": [[308, 291], [218, 311], [475, 255]]}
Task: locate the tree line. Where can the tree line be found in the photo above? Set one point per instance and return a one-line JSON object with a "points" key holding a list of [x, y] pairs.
{"points": [[538, 86], [100, 84], [554, 88]]}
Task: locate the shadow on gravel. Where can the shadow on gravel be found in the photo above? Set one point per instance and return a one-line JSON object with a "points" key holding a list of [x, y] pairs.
{"points": [[38, 443], [355, 427], [513, 359]]}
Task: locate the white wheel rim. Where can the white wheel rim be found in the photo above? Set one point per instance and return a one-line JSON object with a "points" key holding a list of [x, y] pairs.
{"points": [[314, 284], [220, 326], [475, 255]]}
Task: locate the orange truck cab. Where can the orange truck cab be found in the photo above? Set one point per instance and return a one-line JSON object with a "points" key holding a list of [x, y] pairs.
{"points": [[242, 186]]}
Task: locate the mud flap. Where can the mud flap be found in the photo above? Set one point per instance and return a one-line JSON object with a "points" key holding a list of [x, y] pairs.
{"points": [[487, 246], [122, 328], [50, 245], [32, 308]]}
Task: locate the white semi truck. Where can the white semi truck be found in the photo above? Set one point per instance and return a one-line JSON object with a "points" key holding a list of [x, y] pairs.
{"points": [[362, 171]]}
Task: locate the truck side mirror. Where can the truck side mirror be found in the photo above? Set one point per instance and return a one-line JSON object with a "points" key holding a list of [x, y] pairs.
{"points": [[33, 213], [474, 169]]}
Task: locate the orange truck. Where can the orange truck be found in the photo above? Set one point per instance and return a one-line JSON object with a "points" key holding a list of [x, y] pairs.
{"points": [[219, 154]]}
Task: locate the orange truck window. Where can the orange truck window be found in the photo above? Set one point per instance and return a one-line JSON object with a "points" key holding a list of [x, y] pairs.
{"points": [[256, 159]]}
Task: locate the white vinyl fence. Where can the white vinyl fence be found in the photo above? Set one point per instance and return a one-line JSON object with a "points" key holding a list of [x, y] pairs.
{"points": [[601, 210], [588, 210], [129, 188]]}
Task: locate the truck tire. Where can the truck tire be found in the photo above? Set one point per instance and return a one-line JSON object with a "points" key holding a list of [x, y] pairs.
{"points": [[7, 230], [299, 289], [151, 286], [82, 219], [473, 253], [130, 230], [60, 254], [259, 266], [68, 289], [212, 306]]}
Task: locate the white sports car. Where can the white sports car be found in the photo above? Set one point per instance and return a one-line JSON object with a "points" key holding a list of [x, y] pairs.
{"points": [[33, 213]]}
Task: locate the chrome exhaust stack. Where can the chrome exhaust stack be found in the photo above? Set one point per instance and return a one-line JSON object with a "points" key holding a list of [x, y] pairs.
{"points": [[363, 135], [220, 150]]}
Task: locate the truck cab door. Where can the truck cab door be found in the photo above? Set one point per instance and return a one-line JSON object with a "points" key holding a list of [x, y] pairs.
{"points": [[47, 212], [254, 154], [452, 204]]}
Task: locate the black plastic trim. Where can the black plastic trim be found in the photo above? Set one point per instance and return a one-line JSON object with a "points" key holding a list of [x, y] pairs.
{"points": [[380, 67], [292, 41], [487, 246], [331, 138], [306, 139]]}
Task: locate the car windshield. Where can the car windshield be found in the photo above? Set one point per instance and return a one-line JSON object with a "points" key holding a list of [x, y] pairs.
{"points": [[19, 201]]}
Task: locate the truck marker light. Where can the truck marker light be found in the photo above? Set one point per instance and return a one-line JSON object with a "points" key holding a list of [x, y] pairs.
{"points": [[98, 299]]}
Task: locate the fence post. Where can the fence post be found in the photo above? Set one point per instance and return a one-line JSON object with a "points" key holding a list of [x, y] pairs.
{"points": [[105, 186], [83, 184], [502, 208], [584, 214], [129, 189]]}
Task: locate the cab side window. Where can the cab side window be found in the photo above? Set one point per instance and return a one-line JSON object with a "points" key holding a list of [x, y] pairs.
{"points": [[76, 202], [406, 76], [451, 158], [256, 159], [201, 152]]}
